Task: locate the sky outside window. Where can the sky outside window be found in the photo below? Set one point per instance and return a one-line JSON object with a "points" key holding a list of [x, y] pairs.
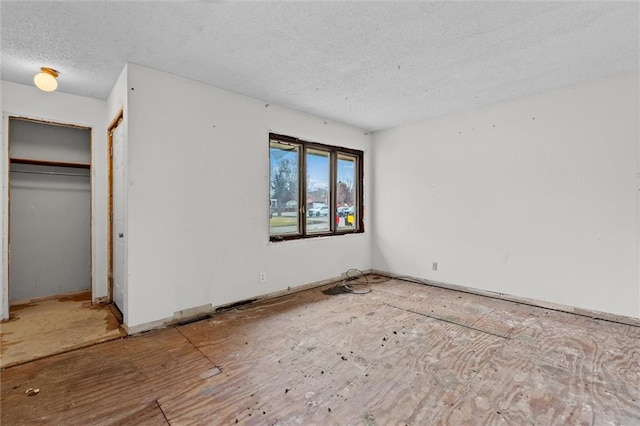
{"points": [[317, 169], [284, 190], [318, 214], [346, 194]]}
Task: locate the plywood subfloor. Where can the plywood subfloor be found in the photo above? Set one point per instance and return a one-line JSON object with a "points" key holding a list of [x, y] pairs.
{"points": [[39, 329], [402, 354]]}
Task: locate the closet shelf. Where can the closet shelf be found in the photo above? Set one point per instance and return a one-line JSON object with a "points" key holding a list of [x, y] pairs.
{"points": [[49, 163]]}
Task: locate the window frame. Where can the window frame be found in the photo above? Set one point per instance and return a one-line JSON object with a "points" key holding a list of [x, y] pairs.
{"points": [[333, 151]]}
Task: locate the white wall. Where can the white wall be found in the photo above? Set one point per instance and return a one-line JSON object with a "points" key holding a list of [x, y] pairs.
{"points": [[198, 191], [117, 99], [536, 197], [28, 101]]}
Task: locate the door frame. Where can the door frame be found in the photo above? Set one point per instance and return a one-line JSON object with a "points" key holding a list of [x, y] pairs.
{"points": [[7, 279], [117, 120]]}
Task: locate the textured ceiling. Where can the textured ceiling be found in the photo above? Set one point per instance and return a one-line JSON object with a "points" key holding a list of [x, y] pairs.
{"points": [[372, 65]]}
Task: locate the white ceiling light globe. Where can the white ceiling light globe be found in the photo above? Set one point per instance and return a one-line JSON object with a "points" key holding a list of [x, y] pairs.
{"points": [[46, 79]]}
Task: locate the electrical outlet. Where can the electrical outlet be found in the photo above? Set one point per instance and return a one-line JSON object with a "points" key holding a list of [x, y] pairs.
{"points": [[263, 277], [435, 266]]}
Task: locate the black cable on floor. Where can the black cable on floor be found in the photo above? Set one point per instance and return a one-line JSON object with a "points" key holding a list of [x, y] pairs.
{"points": [[351, 281]]}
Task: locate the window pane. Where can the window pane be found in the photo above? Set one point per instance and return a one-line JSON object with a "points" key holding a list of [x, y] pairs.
{"points": [[318, 196], [283, 211], [346, 201]]}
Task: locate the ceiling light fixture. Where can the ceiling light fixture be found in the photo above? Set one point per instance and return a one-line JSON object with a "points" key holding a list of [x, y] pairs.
{"points": [[45, 80]]}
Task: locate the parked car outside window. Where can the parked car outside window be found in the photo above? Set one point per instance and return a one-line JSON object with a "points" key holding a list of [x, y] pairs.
{"points": [[319, 211], [345, 211]]}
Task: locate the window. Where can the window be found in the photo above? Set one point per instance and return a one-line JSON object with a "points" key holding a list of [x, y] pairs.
{"points": [[315, 189]]}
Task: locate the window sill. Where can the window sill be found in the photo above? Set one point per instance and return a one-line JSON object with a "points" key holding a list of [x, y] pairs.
{"points": [[314, 237]]}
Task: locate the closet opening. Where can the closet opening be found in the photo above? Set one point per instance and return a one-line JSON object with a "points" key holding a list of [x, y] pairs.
{"points": [[52, 308], [49, 210]]}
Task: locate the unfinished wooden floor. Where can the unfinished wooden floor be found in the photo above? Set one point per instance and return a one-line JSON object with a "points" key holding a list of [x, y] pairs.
{"points": [[38, 329], [403, 354]]}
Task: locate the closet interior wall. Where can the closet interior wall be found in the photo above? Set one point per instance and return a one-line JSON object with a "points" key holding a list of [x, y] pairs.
{"points": [[49, 209]]}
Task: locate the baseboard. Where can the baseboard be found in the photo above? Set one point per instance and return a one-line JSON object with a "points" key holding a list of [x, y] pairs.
{"points": [[606, 316], [68, 295], [201, 312]]}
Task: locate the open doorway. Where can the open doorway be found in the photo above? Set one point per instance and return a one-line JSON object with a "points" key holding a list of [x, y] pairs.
{"points": [[49, 243], [49, 210]]}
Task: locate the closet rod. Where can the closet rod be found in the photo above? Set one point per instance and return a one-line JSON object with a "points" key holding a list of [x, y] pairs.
{"points": [[49, 163], [34, 172]]}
